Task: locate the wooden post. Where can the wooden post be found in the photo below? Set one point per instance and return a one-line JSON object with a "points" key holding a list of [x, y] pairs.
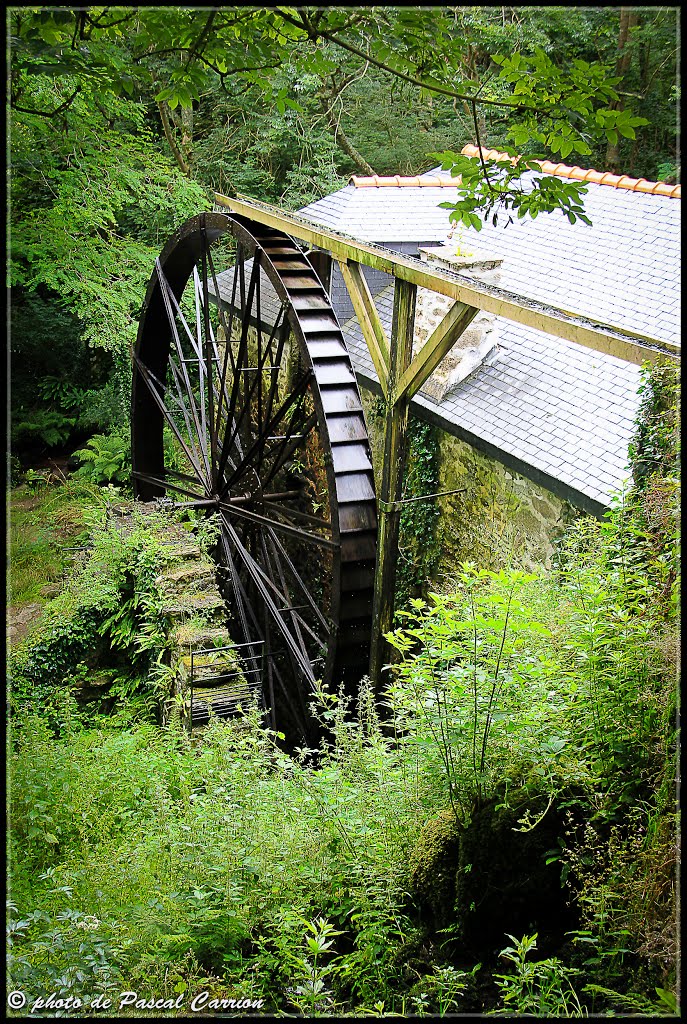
{"points": [[393, 471]]}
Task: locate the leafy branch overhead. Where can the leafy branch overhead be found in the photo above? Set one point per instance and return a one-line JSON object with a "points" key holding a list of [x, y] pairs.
{"points": [[185, 54]]}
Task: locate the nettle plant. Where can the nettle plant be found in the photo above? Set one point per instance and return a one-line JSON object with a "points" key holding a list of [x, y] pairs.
{"points": [[478, 687]]}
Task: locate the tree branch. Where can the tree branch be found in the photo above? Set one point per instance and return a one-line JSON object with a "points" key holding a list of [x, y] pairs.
{"points": [[347, 146], [316, 34], [49, 113], [203, 36], [327, 100], [176, 152]]}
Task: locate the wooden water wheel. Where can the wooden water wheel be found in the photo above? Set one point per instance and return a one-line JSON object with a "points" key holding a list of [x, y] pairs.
{"points": [[245, 404]]}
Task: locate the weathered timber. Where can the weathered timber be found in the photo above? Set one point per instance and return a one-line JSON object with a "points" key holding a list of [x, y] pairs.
{"points": [[322, 265], [439, 344], [593, 334], [368, 318], [395, 452]]}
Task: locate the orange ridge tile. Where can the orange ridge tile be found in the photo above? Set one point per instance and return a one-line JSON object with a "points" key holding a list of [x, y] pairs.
{"points": [[416, 181], [547, 166], [599, 177]]}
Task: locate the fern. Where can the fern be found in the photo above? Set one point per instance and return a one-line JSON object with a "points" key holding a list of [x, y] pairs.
{"points": [[106, 459]]}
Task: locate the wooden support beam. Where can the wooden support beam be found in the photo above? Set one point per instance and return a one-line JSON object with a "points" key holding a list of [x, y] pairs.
{"points": [[439, 344], [583, 330], [368, 318], [393, 471]]}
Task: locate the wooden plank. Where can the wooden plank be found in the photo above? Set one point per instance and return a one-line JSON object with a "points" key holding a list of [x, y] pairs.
{"points": [[586, 331], [439, 343], [393, 471], [368, 318]]}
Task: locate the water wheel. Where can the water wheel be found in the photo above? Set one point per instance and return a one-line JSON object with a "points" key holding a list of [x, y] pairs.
{"points": [[245, 404]]}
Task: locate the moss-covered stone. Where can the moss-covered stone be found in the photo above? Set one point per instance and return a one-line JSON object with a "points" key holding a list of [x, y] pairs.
{"points": [[201, 603], [498, 517], [197, 635], [433, 865], [199, 573], [488, 878], [503, 883]]}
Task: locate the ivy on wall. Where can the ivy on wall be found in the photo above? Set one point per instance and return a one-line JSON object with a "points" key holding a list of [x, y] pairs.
{"points": [[420, 536], [655, 449], [420, 548]]}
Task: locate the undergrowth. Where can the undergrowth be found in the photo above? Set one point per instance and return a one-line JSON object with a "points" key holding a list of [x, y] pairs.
{"points": [[146, 860]]}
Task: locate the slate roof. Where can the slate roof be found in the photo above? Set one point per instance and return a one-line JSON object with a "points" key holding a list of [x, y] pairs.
{"points": [[623, 270], [548, 409]]}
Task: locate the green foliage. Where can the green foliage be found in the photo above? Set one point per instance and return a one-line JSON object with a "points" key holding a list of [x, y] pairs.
{"points": [[495, 185], [621, 580], [106, 459], [655, 449], [106, 617], [68, 208], [65, 951], [535, 79], [44, 521], [200, 851], [539, 988], [582, 87], [479, 687], [287, 157], [51, 375]]}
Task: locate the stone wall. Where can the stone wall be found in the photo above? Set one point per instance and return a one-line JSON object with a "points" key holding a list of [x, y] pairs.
{"points": [[500, 518], [477, 340]]}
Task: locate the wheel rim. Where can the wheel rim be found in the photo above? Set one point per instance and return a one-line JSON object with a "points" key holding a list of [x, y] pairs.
{"points": [[247, 406]]}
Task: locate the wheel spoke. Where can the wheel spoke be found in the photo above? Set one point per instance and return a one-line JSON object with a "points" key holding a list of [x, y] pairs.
{"points": [[162, 482], [219, 388], [223, 396], [201, 450], [282, 553], [255, 388], [208, 352], [253, 634], [276, 358], [290, 531], [295, 514], [241, 364], [257, 576], [291, 401], [155, 386], [297, 621], [291, 442], [195, 341], [243, 605]]}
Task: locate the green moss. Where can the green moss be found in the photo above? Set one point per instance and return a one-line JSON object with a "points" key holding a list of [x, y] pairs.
{"points": [[433, 866]]}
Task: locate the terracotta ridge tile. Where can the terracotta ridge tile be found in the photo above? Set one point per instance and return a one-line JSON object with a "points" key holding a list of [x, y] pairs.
{"points": [[599, 177], [401, 181], [429, 180]]}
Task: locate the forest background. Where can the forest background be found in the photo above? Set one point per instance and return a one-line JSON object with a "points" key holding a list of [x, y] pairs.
{"points": [[123, 122]]}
